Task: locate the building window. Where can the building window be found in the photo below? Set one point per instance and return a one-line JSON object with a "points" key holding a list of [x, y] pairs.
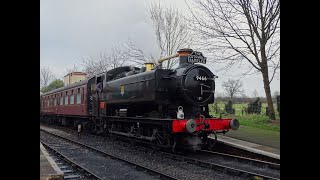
{"points": [[48, 102], [61, 100]]}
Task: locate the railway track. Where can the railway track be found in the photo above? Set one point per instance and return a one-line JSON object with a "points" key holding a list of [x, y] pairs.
{"points": [[70, 168], [226, 163], [74, 145], [232, 166], [245, 160]]}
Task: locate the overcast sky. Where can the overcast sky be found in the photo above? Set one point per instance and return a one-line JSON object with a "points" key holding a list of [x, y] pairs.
{"points": [[70, 29]]}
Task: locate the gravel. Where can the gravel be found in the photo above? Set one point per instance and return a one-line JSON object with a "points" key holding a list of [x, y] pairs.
{"points": [[238, 165], [178, 169], [104, 167]]}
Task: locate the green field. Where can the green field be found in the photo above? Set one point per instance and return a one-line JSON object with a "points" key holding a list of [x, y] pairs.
{"points": [[260, 136], [253, 120]]}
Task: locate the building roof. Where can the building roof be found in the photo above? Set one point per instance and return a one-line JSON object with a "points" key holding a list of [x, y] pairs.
{"points": [[76, 73]]}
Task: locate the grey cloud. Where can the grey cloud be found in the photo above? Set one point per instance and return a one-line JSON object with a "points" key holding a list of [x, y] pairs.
{"points": [[70, 29]]}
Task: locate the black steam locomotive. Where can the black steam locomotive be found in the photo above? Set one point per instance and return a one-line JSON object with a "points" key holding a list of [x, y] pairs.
{"points": [[166, 107], [137, 92]]}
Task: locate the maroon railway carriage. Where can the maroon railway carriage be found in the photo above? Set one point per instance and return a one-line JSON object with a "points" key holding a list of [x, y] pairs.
{"points": [[65, 102]]}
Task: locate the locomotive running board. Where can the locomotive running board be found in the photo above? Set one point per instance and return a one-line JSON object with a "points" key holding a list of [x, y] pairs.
{"points": [[133, 136]]}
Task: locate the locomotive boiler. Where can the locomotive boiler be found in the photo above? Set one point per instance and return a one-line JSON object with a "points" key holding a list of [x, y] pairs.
{"points": [[138, 92]]}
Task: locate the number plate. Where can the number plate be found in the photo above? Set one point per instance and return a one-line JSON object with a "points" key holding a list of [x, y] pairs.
{"points": [[197, 57]]}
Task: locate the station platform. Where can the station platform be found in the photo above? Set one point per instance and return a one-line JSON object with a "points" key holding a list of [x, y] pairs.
{"points": [[248, 146], [48, 168]]}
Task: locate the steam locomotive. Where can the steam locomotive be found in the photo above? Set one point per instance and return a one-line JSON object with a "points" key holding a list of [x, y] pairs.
{"points": [[163, 107]]}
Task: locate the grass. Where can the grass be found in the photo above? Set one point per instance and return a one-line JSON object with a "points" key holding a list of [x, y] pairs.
{"points": [[257, 136], [253, 120], [259, 121]]}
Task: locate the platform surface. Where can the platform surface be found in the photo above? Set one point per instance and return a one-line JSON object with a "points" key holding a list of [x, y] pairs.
{"points": [[48, 168], [249, 146]]}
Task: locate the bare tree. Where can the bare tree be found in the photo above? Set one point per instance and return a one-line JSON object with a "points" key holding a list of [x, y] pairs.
{"points": [[232, 87], [117, 57], [243, 95], [104, 61], [242, 31], [125, 54], [46, 76], [134, 54], [94, 65], [171, 30], [255, 93]]}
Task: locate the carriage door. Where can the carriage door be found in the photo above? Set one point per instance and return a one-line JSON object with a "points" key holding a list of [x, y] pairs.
{"points": [[99, 94], [91, 93]]}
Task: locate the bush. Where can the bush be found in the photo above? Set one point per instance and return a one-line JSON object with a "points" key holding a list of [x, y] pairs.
{"points": [[228, 107], [254, 107], [216, 108], [259, 121]]}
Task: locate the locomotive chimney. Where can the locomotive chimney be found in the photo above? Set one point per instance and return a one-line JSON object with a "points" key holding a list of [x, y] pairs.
{"points": [[183, 55]]}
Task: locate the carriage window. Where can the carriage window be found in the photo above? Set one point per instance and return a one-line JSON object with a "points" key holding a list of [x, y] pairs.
{"points": [[66, 99], [82, 96], [61, 100], [78, 98], [55, 99], [72, 98]]}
